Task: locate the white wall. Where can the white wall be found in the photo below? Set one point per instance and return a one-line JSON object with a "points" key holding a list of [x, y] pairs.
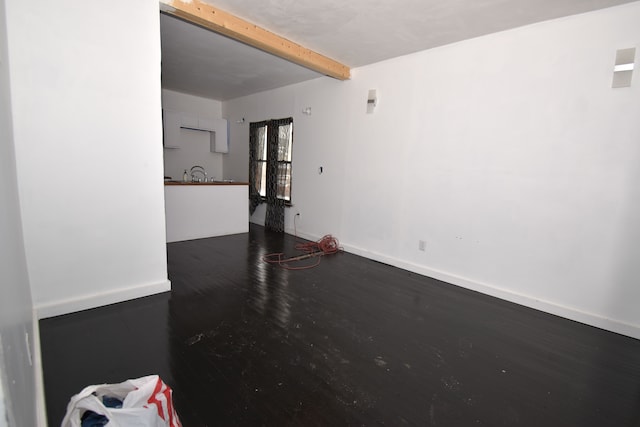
{"points": [[196, 147], [17, 376], [318, 140], [509, 155], [88, 136]]}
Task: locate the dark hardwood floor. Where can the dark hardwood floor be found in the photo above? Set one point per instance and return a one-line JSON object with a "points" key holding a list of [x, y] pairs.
{"points": [[351, 342]]}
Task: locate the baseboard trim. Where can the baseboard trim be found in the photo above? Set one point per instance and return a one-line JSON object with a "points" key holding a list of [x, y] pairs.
{"points": [[546, 306], [71, 305]]}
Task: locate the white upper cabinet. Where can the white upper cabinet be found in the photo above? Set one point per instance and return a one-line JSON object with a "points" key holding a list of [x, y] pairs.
{"points": [[207, 124], [189, 122], [220, 137], [173, 121]]}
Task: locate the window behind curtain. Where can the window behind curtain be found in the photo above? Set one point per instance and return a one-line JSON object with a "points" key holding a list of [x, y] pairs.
{"points": [[270, 160], [285, 134], [261, 160]]}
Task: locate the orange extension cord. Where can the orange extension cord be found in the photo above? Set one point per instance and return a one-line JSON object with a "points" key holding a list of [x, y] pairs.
{"points": [[326, 246]]}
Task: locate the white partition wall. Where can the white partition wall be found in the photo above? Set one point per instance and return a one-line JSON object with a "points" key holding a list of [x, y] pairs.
{"points": [[18, 391], [88, 136]]}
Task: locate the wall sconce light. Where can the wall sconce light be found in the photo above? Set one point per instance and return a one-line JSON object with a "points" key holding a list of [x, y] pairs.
{"points": [[623, 68], [241, 121], [306, 111]]}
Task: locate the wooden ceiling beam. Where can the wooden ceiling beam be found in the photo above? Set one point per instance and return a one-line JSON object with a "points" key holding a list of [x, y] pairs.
{"points": [[219, 21]]}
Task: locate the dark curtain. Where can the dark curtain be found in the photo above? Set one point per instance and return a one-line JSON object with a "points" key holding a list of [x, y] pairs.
{"points": [[277, 146]]}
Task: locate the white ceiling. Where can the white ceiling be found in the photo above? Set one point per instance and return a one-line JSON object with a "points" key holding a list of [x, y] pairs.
{"points": [[354, 32]]}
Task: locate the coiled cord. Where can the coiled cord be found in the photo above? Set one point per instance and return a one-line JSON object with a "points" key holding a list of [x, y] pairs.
{"points": [[326, 246]]}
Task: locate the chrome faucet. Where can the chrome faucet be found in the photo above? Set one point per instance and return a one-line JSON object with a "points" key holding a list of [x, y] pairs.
{"points": [[198, 169]]}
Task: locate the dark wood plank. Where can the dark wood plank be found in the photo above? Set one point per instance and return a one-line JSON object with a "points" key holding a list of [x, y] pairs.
{"points": [[351, 342]]}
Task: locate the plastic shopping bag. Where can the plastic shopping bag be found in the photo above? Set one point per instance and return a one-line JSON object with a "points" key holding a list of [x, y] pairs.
{"points": [[146, 402]]}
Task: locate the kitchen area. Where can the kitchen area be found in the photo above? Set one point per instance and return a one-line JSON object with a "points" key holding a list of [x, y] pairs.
{"points": [[199, 201]]}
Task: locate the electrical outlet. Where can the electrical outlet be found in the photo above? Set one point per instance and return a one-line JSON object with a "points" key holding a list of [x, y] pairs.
{"points": [[422, 245]]}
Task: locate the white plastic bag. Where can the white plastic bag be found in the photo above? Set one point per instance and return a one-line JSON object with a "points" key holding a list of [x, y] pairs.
{"points": [[146, 402]]}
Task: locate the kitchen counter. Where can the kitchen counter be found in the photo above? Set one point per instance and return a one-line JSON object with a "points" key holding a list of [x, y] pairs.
{"points": [[195, 210]]}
